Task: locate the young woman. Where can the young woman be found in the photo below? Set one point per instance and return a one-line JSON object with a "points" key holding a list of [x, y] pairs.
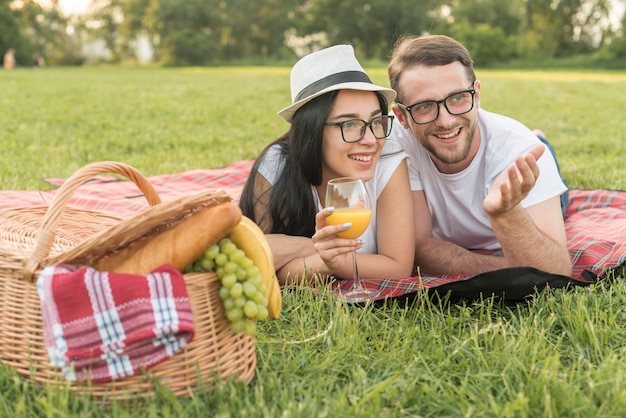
{"points": [[339, 122]]}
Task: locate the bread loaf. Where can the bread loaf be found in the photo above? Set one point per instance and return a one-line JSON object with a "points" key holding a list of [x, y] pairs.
{"points": [[178, 246]]}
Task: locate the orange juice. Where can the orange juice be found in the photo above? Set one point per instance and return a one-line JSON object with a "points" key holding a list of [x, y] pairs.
{"points": [[359, 217]]}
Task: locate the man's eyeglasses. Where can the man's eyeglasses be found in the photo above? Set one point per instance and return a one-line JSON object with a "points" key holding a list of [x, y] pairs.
{"points": [[353, 130], [427, 111]]}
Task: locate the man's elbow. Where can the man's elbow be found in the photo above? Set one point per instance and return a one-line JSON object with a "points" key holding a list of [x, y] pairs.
{"points": [[566, 269], [563, 267]]}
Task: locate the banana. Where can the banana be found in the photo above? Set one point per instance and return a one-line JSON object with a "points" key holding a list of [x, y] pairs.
{"points": [[251, 239]]}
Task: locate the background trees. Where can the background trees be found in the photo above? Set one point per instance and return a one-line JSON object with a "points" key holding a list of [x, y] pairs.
{"points": [[205, 32]]}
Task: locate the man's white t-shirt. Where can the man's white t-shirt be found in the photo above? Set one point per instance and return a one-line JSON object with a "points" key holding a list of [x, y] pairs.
{"points": [[455, 201], [392, 155]]}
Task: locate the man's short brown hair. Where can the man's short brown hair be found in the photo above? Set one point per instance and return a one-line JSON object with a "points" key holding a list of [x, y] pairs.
{"points": [[429, 51]]}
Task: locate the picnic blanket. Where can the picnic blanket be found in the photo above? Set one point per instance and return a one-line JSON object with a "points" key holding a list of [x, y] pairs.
{"points": [[595, 223], [122, 198]]}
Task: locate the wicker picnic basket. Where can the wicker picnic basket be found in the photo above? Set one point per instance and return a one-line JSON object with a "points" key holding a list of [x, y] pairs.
{"points": [[34, 237]]}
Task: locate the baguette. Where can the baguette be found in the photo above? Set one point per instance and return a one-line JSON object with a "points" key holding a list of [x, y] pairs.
{"points": [[178, 246]]}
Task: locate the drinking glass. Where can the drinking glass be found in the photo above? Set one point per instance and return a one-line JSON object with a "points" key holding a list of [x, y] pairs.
{"points": [[349, 197]]}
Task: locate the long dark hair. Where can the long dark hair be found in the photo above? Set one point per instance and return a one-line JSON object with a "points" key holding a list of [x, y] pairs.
{"points": [[291, 207]]}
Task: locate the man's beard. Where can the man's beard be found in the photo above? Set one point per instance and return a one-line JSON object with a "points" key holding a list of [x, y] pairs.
{"points": [[458, 154]]}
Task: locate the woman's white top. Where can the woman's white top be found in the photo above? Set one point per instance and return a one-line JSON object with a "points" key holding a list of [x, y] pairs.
{"points": [[392, 155]]}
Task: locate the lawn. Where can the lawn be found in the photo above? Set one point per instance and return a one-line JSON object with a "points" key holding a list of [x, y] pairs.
{"points": [[562, 354]]}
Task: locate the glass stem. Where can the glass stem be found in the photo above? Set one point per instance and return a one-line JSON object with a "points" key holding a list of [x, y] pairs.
{"points": [[357, 278]]}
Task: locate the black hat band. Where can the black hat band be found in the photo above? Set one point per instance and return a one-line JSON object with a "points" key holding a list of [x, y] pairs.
{"points": [[331, 80]]}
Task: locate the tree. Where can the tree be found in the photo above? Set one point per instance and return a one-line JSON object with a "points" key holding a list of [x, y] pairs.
{"points": [[488, 28], [614, 49], [202, 32], [103, 22], [373, 27], [506, 15], [40, 30], [12, 34], [575, 26], [486, 43], [185, 31]]}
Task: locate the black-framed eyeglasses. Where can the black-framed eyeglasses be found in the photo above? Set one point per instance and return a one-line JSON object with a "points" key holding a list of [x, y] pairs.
{"points": [[353, 130], [427, 111]]}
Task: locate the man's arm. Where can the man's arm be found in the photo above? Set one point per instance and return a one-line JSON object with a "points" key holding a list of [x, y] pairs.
{"points": [[534, 236], [435, 256]]}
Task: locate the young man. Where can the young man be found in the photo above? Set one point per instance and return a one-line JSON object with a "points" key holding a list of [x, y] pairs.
{"points": [[475, 175]]}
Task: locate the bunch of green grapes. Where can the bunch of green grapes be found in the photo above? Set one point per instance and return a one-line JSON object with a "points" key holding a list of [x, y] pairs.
{"points": [[242, 290]]}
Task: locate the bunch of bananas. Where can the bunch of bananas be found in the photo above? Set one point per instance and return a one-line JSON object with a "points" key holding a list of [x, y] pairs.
{"points": [[243, 262], [248, 237]]}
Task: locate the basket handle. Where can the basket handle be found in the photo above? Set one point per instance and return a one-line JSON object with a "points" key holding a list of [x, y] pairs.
{"points": [[63, 195]]}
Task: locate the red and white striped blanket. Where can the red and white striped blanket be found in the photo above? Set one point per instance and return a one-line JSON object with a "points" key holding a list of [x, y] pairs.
{"points": [[595, 219]]}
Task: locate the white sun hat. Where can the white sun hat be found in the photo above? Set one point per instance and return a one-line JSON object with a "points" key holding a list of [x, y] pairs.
{"points": [[332, 68]]}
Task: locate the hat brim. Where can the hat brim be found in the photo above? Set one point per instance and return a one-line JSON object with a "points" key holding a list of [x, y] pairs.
{"points": [[288, 112]]}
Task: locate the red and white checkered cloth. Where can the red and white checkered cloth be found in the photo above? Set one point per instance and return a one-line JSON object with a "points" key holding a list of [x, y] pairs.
{"points": [[102, 326], [595, 220], [595, 224], [123, 199]]}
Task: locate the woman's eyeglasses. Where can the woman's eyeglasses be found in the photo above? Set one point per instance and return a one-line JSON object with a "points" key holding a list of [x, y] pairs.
{"points": [[353, 130]]}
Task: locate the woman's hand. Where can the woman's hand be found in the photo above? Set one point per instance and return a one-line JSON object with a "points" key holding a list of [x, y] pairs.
{"points": [[332, 249]]}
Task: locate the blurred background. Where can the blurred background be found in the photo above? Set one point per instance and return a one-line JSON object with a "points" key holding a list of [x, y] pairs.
{"points": [[581, 33]]}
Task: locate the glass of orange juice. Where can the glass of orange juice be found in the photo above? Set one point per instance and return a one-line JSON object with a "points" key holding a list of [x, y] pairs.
{"points": [[349, 197]]}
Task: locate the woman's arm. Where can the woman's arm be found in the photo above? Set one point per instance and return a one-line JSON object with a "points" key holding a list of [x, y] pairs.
{"points": [[326, 254], [394, 230], [294, 256]]}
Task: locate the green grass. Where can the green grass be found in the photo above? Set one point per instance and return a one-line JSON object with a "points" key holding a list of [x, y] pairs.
{"points": [[562, 354]]}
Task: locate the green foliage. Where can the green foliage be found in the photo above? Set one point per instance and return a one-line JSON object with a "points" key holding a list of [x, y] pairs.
{"points": [[572, 25], [372, 27], [505, 15], [13, 35], [43, 31], [188, 47], [488, 45], [614, 50], [211, 32], [535, 46], [562, 354]]}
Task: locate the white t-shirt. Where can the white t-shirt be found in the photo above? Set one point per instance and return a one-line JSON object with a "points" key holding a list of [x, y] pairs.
{"points": [[392, 155], [455, 201]]}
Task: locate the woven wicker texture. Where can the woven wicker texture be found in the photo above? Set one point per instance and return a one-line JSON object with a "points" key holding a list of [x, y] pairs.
{"points": [[34, 237]]}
